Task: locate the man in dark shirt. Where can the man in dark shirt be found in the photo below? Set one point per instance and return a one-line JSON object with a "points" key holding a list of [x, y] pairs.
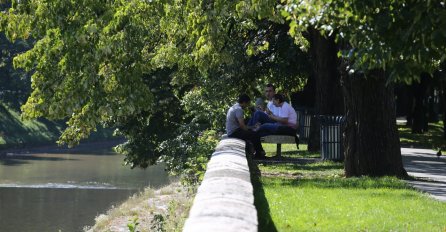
{"points": [[236, 127]]}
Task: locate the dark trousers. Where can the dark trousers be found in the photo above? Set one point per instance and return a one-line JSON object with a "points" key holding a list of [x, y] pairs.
{"points": [[259, 117], [248, 136]]}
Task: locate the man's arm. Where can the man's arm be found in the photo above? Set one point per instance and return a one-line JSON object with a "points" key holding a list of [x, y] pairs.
{"points": [[241, 122], [278, 119]]}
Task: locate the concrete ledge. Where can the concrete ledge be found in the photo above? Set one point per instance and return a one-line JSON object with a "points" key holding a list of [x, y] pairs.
{"points": [[225, 198]]}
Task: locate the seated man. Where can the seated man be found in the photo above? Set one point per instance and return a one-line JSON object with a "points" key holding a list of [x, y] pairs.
{"points": [[285, 122], [236, 128], [260, 116]]}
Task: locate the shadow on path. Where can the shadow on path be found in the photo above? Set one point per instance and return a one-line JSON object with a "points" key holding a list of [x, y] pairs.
{"points": [[428, 169]]}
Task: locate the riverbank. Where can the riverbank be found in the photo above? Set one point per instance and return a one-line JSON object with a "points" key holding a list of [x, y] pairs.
{"points": [[164, 209], [16, 133]]}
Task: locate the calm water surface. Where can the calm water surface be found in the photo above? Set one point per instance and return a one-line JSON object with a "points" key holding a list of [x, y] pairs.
{"points": [[51, 189]]}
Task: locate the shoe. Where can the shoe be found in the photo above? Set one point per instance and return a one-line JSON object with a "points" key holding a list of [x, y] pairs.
{"points": [[260, 156]]}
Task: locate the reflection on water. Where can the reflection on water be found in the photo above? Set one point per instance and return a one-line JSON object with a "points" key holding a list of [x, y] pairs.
{"points": [[51, 189]]}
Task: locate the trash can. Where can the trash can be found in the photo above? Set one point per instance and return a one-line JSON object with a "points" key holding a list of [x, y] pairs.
{"points": [[304, 118], [331, 137]]}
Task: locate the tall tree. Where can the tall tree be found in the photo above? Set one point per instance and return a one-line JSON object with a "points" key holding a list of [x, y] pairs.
{"points": [[96, 61], [382, 42], [155, 70], [329, 97]]}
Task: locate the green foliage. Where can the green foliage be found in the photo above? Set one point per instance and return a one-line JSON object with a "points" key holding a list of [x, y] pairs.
{"points": [[157, 223], [188, 153], [14, 84], [133, 224], [404, 38], [162, 72]]}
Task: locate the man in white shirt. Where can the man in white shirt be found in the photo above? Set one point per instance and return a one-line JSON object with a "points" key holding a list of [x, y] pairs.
{"points": [[261, 116], [285, 119]]}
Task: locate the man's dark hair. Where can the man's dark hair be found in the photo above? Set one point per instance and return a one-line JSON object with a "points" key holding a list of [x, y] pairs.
{"points": [[243, 98], [269, 85], [279, 97]]}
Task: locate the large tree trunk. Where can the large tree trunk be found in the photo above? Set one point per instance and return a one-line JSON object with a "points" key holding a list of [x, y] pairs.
{"points": [[329, 100], [304, 98], [371, 140]]}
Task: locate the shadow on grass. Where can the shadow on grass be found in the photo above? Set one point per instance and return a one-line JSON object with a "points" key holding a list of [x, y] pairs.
{"points": [[432, 139], [266, 223], [304, 166], [296, 154], [351, 183]]}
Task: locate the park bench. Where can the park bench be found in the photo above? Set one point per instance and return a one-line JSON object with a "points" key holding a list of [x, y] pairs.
{"points": [[302, 134]]}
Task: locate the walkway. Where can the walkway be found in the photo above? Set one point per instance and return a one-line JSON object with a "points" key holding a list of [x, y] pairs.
{"points": [[428, 168]]}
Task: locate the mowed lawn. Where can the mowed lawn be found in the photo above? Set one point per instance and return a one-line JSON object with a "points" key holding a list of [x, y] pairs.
{"points": [[317, 197]]}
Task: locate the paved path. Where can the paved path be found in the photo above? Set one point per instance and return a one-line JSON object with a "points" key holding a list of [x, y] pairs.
{"points": [[424, 164]]}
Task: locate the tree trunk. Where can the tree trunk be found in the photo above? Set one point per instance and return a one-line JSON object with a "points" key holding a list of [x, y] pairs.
{"points": [[443, 105], [329, 100], [420, 90], [371, 140], [304, 98]]}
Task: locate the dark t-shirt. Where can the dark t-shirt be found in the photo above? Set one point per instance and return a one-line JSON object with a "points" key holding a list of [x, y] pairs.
{"points": [[234, 113]]}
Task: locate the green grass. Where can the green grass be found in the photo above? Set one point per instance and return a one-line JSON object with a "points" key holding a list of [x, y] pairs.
{"points": [[433, 139], [317, 197], [290, 151], [313, 170]]}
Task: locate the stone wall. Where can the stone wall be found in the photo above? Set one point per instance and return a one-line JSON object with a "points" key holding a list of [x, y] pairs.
{"points": [[225, 198]]}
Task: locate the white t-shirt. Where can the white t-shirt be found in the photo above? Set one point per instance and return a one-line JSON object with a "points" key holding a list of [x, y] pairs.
{"points": [[287, 111], [275, 110]]}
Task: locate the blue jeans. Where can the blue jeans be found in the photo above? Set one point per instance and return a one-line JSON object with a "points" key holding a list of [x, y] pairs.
{"points": [[268, 129], [259, 117]]}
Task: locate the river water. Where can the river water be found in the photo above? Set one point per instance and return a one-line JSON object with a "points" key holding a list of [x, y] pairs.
{"points": [[55, 189]]}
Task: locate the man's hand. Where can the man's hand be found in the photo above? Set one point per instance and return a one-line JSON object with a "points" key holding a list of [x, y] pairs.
{"points": [[268, 112], [242, 124]]}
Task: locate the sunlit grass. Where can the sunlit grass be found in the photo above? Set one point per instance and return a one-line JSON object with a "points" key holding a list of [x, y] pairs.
{"points": [[317, 197], [313, 170], [353, 204]]}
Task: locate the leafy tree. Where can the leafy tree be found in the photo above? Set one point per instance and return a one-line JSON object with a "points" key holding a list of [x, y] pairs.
{"points": [[14, 84], [154, 70], [382, 42], [98, 62]]}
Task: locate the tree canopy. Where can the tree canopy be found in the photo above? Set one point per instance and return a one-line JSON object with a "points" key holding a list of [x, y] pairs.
{"points": [[155, 69]]}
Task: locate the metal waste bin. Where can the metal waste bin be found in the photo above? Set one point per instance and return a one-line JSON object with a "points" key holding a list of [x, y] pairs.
{"points": [[331, 137], [304, 118]]}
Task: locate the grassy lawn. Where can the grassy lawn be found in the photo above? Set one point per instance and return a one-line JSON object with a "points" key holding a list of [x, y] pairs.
{"points": [[316, 197], [290, 151], [433, 139]]}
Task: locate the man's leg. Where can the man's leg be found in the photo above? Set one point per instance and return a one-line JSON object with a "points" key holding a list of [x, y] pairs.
{"points": [[286, 130], [267, 129], [249, 136], [259, 117]]}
